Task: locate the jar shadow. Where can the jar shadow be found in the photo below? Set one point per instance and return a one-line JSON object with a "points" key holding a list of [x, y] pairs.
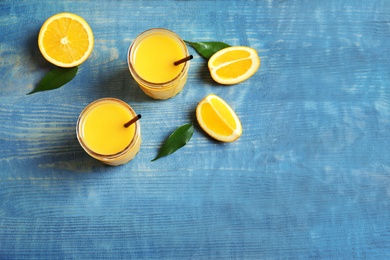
{"points": [[64, 154], [121, 85]]}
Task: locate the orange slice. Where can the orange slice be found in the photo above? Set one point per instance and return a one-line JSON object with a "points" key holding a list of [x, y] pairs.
{"points": [[218, 119], [233, 65], [66, 40]]}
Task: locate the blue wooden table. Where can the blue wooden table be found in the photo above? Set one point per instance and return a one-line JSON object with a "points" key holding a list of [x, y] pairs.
{"points": [[308, 179]]}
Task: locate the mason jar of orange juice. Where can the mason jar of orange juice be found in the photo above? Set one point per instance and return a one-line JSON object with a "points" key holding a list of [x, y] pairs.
{"points": [[151, 59], [103, 133]]}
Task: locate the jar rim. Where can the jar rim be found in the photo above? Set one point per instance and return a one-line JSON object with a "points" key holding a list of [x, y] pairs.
{"points": [[149, 84], [80, 122]]}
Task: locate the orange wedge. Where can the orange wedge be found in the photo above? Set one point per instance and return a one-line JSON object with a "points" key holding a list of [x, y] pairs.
{"points": [[218, 119], [66, 40], [233, 65]]}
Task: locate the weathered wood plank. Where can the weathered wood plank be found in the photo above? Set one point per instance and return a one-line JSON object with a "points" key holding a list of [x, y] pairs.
{"points": [[309, 178]]}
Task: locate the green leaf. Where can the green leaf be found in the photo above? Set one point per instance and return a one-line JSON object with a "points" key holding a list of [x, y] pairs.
{"points": [[176, 140], [55, 79], [207, 49]]}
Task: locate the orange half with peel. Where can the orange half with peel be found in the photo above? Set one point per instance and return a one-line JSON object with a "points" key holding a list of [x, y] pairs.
{"points": [[218, 119], [66, 40], [234, 64]]}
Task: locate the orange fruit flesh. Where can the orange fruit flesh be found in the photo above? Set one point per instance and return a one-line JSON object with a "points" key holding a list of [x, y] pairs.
{"points": [[66, 39], [233, 65], [218, 119], [234, 69], [221, 122], [231, 56], [214, 122], [224, 112]]}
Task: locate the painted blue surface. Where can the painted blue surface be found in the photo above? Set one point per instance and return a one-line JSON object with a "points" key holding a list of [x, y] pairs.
{"points": [[308, 179]]}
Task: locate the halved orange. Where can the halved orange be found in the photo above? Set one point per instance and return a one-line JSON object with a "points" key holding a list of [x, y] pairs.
{"points": [[218, 119], [234, 64], [66, 40]]}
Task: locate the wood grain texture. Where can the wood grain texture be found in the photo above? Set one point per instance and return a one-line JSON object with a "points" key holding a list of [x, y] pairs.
{"points": [[308, 179]]}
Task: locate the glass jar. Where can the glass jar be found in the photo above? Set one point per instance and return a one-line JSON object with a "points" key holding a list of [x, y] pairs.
{"points": [[114, 146], [172, 85]]}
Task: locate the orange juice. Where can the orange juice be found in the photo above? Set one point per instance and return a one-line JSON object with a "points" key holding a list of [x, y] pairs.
{"points": [[102, 134], [151, 60]]}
